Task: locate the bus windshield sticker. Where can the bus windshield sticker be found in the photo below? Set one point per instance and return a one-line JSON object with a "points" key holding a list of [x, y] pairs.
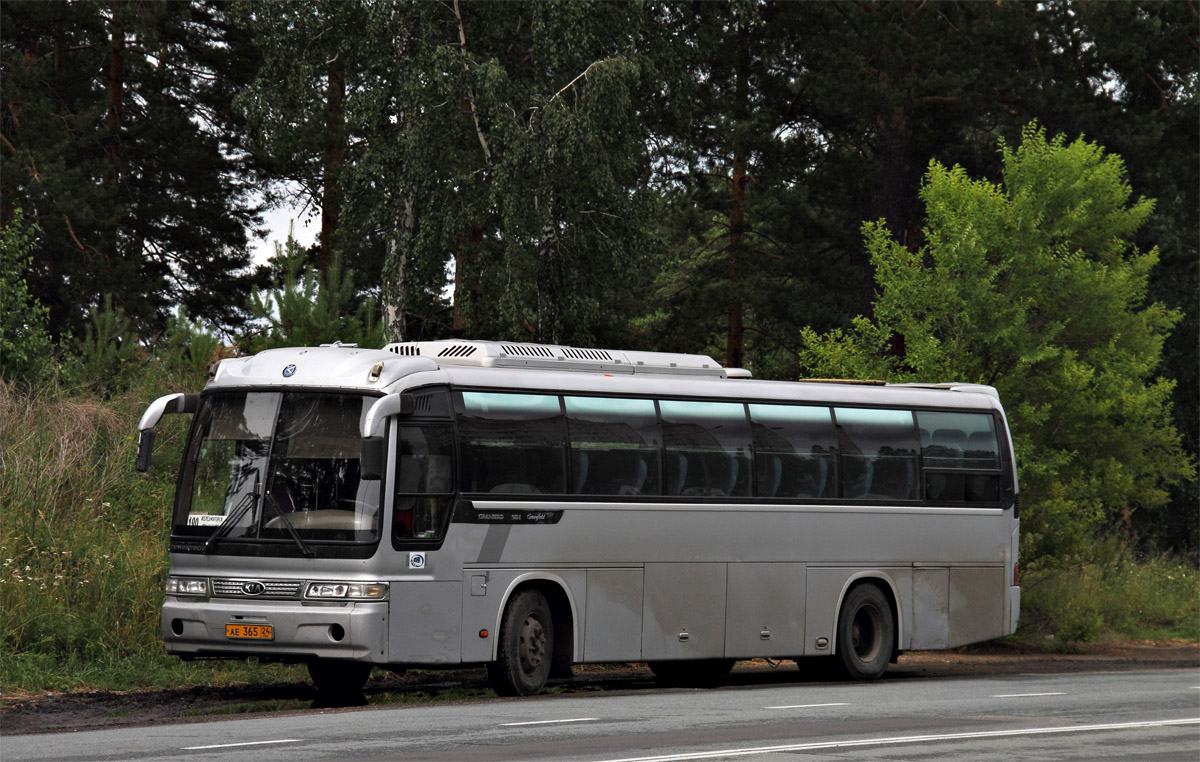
{"points": [[205, 520]]}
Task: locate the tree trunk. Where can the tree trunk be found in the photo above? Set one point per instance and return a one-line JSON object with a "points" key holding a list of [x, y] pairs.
{"points": [[335, 157], [734, 349], [116, 97], [734, 344], [466, 284], [394, 271], [551, 288], [891, 191]]}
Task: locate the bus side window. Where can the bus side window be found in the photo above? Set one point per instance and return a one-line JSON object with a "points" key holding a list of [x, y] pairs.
{"points": [[614, 446], [795, 451], [423, 481], [878, 453], [707, 448], [511, 443], [961, 451]]}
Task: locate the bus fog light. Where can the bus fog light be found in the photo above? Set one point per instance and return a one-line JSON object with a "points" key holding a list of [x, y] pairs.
{"points": [[367, 591]]}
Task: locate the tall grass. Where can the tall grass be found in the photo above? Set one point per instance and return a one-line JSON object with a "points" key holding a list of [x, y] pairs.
{"points": [[1112, 594], [82, 536]]}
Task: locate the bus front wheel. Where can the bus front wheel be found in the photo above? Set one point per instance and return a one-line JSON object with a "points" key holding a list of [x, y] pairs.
{"points": [[526, 650], [865, 633]]}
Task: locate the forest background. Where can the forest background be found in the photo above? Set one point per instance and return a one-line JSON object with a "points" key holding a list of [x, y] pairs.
{"points": [[998, 192]]}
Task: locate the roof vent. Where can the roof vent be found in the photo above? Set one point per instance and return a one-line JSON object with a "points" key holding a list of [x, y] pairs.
{"points": [[405, 350], [527, 356], [457, 350], [527, 350], [587, 354]]}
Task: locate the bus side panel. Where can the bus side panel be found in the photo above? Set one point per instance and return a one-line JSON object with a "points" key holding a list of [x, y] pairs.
{"points": [[422, 628], [765, 610], [977, 600], [931, 608], [684, 613], [613, 620]]}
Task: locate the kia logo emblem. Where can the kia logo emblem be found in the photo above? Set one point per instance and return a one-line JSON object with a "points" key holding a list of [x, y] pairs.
{"points": [[253, 588], [289, 371]]}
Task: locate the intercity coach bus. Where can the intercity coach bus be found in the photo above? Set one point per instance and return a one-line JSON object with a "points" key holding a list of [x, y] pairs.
{"points": [[529, 507]]}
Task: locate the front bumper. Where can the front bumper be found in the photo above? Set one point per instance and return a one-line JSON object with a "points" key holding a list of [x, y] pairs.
{"points": [[195, 627]]}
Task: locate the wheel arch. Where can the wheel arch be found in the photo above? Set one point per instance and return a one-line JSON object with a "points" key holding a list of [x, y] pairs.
{"points": [[563, 607], [887, 586]]}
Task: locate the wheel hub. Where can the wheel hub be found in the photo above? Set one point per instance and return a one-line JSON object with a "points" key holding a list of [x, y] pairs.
{"points": [[533, 644]]}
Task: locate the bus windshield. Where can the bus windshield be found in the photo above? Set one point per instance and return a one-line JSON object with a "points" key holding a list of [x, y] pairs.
{"points": [[277, 467]]}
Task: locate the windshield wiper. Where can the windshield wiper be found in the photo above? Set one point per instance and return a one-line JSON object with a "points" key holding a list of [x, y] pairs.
{"points": [[291, 530], [233, 518]]}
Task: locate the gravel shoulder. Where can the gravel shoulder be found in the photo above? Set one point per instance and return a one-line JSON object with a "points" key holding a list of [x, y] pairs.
{"points": [[56, 713]]}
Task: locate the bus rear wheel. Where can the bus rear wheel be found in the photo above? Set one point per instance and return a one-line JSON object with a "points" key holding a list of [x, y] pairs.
{"points": [[865, 633], [526, 651]]}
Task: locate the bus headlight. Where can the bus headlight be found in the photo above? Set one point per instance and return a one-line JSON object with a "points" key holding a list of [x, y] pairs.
{"points": [[187, 586], [364, 591]]}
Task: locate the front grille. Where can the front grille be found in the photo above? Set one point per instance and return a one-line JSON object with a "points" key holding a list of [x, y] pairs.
{"points": [[272, 588]]}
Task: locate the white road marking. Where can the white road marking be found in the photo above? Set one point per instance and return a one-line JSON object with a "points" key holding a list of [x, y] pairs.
{"points": [[803, 706], [1026, 695], [549, 722], [895, 740], [245, 743]]}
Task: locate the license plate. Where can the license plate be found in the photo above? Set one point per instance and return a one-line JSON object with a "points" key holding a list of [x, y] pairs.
{"points": [[250, 631]]}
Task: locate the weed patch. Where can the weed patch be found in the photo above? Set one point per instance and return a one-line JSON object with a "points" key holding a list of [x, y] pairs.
{"points": [[1112, 595]]}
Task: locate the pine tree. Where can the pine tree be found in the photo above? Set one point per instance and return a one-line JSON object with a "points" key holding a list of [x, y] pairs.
{"points": [[119, 145]]}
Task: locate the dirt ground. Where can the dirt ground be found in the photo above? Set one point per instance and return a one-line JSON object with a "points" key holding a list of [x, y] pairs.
{"points": [[54, 713]]}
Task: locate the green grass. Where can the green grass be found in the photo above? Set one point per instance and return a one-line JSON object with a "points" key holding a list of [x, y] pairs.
{"points": [[1113, 595]]}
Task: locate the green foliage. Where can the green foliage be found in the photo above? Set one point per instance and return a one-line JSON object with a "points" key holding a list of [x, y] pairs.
{"points": [[25, 347], [121, 145], [109, 345], [188, 345], [1033, 286], [308, 307], [82, 536], [1111, 593]]}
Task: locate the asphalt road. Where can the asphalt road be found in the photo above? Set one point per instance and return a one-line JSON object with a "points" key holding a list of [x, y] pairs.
{"points": [[1147, 715]]}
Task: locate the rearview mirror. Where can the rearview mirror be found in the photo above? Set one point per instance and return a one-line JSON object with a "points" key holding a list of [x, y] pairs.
{"points": [[171, 403], [374, 452]]}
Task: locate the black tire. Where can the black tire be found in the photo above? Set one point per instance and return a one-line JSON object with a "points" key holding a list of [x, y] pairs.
{"points": [[866, 634], [339, 682], [526, 651], [693, 673]]}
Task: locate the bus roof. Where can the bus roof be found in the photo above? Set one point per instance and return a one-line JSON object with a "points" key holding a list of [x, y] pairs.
{"points": [[495, 364]]}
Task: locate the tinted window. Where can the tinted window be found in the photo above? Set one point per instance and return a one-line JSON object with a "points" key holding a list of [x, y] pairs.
{"points": [[424, 481], [878, 451], [707, 448], [614, 446], [953, 445], [511, 443], [795, 451]]}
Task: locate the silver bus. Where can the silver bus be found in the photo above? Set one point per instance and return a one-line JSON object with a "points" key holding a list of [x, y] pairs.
{"points": [[529, 507]]}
